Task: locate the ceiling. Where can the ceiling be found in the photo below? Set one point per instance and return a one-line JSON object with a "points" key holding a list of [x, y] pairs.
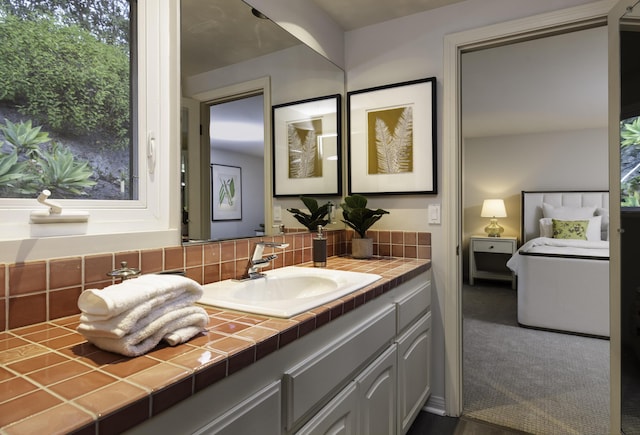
{"points": [[217, 33], [353, 14]]}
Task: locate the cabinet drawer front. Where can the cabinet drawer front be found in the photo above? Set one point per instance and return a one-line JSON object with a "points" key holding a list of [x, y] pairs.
{"points": [[414, 303], [316, 376], [502, 247], [259, 413]]}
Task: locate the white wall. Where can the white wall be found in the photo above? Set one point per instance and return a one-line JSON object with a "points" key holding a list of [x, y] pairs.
{"points": [[411, 48], [503, 166], [534, 117]]}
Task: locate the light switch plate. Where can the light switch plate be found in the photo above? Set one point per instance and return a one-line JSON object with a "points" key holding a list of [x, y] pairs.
{"points": [[277, 213], [433, 212]]}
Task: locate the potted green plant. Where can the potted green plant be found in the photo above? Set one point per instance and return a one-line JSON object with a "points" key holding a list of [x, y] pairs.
{"points": [[318, 215], [360, 218]]}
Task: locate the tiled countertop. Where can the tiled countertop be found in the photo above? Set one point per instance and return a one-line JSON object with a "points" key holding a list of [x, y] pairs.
{"points": [[53, 381]]}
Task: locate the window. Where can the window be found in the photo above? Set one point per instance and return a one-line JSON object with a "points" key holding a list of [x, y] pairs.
{"points": [[127, 144], [66, 98], [630, 162]]}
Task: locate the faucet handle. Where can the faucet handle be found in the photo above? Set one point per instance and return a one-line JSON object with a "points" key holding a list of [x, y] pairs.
{"points": [[124, 272], [264, 260], [273, 244]]}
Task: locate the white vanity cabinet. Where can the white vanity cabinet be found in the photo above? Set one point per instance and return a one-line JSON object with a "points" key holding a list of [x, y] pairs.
{"points": [[365, 372], [390, 391]]}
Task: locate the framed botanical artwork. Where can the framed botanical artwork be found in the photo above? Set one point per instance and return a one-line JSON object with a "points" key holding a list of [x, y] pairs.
{"points": [[392, 138], [226, 193], [306, 147]]}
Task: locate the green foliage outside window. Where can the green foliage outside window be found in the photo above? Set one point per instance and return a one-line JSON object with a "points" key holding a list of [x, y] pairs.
{"points": [[63, 77], [630, 143], [35, 162], [65, 66]]}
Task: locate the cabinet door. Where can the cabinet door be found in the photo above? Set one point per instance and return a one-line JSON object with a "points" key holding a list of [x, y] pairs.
{"points": [[259, 413], [377, 395], [338, 417], [414, 349]]}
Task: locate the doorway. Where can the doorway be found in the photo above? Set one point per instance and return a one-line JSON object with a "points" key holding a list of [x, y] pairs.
{"points": [[199, 153], [527, 102], [236, 140], [456, 44]]}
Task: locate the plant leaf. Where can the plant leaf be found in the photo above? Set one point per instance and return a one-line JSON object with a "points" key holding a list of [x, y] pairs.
{"points": [[393, 152], [302, 154], [311, 203]]}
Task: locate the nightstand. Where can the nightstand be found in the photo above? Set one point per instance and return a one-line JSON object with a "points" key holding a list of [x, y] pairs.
{"points": [[495, 252]]}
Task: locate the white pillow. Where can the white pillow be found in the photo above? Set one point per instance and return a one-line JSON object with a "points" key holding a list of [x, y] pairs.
{"points": [[567, 213], [546, 227], [593, 229]]}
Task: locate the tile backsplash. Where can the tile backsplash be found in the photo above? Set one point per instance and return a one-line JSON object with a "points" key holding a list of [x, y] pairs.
{"points": [[39, 291]]}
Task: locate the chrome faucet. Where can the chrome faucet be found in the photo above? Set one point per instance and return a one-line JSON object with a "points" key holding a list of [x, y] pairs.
{"points": [[257, 261]]}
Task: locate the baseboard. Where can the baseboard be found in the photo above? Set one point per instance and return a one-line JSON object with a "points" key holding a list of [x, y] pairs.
{"points": [[435, 405]]}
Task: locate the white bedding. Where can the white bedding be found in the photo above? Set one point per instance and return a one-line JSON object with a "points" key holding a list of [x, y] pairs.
{"points": [[563, 285], [570, 247]]}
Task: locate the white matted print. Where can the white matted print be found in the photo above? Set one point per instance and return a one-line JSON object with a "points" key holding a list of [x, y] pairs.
{"points": [[392, 139], [226, 193], [306, 147]]}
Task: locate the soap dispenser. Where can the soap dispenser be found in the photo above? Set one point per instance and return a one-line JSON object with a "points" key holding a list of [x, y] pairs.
{"points": [[320, 248]]}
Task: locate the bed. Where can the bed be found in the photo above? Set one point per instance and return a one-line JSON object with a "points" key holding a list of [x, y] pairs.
{"points": [[563, 283]]}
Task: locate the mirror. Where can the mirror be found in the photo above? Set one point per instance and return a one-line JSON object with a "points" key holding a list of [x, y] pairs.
{"points": [[228, 53], [629, 117]]}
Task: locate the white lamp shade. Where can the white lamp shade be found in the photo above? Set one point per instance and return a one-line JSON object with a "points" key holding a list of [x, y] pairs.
{"points": [[493, 208]]}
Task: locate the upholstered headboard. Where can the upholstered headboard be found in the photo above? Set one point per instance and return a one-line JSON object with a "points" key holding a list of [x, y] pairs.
{"points": [[532, 206]]}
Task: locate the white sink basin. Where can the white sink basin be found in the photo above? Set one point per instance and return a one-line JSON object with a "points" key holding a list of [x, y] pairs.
{"points": [[286, 291]]}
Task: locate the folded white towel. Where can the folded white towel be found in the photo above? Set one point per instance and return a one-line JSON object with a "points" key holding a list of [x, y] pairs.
{"points": [[176, 327], [135, 318], [116, 299], [181, 335]]}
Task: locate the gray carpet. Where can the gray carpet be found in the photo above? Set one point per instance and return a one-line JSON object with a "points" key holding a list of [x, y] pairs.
{"points": [[533, 381]]}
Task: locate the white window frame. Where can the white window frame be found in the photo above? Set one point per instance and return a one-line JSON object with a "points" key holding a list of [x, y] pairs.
{"points": [[151, 221]]}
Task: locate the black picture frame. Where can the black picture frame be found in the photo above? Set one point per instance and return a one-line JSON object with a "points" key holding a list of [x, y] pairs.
{"points": [[307, 150], [392, 139]]}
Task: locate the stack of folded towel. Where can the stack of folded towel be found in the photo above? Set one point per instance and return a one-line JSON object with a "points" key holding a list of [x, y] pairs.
{"points": [[132, 317]]}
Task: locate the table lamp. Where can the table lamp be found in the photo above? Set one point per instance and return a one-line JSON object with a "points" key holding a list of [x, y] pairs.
{"points": [[493, 208]]}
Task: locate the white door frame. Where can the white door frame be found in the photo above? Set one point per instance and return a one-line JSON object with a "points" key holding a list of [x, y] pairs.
{"points": [[454, 45], [260, 85], [615, 403]]}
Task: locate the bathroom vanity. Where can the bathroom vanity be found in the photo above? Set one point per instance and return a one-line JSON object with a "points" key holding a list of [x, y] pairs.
{"points": [[356, 364], [365, 372]]}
